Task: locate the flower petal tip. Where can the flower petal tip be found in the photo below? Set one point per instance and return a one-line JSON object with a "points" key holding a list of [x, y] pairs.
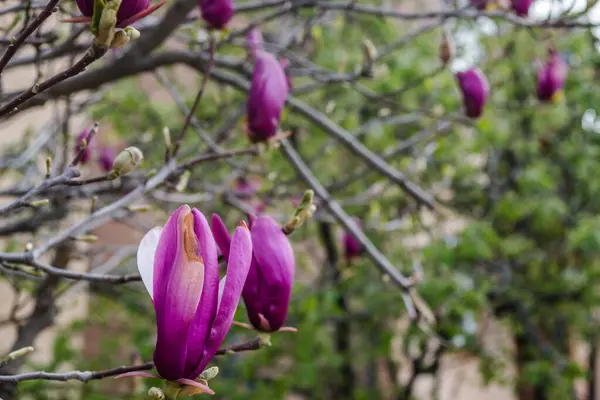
{"points": [[202, 388], [136, 373]]}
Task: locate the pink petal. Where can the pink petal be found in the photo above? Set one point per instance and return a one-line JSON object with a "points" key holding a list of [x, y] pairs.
{"points": [[136, 373], [199, 385]]}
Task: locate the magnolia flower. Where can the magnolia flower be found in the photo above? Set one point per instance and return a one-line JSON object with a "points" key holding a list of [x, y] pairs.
{"points": [[521, 7], [129, 12], [86, 155], [246, 187], [254, 41], [475, 91], [179, 268], [268, 94], [352, 248], [268, 288], [216, 13], [551, 77], [106, 158]]}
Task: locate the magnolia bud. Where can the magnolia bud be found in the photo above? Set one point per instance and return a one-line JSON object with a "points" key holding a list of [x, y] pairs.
{"points": [[156, 394], [127, 161], [370, 55], [209, 373], [107, 23], [446, 49], [123, 37]]}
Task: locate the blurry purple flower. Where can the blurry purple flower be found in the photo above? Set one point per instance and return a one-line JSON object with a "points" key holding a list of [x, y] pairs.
{"points": [[475, 91], [216, 13], [521, 7], [129, 12], [89, 148], [551, 77], [106, 159], [268, 94], [254, 41], [268, 287], [247, 186], [179, 268], [352, 248]]}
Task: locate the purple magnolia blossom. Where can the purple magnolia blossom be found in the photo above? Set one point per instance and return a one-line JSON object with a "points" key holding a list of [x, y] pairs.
{"points": [[246, 187], [86, 156], [521, 7], [216, 13], [268, 287], [475, 91], [179, 267], [268, 94], [352, 248], [254, 41], [551, 77], [106, 159], [129, 11], [479, 4]]}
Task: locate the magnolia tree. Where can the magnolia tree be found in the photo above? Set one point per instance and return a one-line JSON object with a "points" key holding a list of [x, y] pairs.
{"points": [[380, 187]]}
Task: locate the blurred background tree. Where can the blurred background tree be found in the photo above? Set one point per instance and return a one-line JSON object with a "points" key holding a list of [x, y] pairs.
{"points": [[507, 260]]}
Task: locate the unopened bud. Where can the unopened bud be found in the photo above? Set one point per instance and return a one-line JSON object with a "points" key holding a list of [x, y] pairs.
{"points": [[303, 212], [446, 48], [18, 353], [167, 137], [156, 393], [127, 161], [370, 55], [183, 181], [86, 238], [209, 373], [139, 208], [107, 23], [48, 166], [123, 37], [39, 203]]}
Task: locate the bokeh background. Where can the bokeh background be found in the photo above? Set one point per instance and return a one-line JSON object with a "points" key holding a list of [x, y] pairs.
{"points": [[509, 261]]}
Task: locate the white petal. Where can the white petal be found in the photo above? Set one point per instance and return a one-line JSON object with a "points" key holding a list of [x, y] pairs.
{"points": [[221, 288], [145, 257]]}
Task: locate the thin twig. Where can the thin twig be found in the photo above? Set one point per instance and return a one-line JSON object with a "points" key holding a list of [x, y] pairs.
{"points": [[85, 376], [95, 52], [12, 48], [192, 111]]}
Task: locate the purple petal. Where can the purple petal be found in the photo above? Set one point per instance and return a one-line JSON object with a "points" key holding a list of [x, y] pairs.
{"points": [[205, 314], [275, 261], [221, 235], [137, 373], [198, 385], [178, 283], [237, 269]]}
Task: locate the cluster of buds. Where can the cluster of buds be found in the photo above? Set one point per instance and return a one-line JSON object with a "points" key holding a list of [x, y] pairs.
{"points": [[114, 164], [110, 19], [551, 77]]}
